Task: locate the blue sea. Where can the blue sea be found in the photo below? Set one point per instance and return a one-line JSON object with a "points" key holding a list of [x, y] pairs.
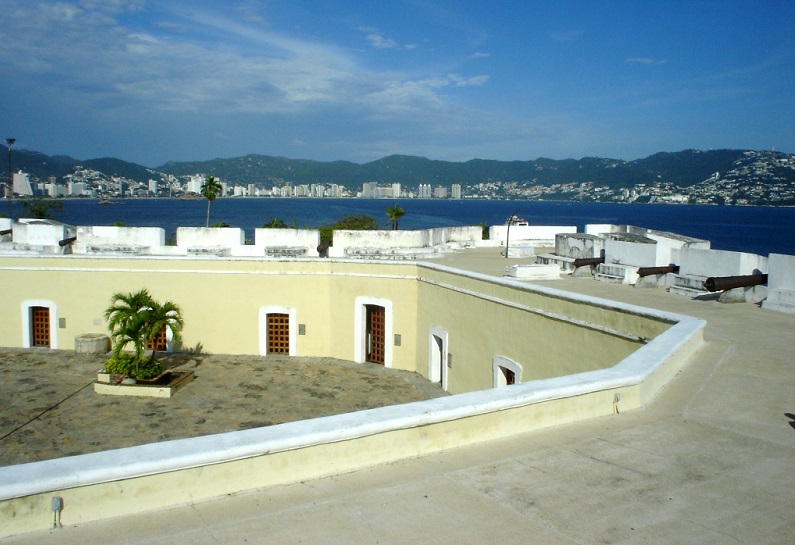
{"points": [[755, 229]]}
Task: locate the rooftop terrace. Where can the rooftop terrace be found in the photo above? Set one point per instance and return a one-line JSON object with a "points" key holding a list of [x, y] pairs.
{"points": [[708, 461]]}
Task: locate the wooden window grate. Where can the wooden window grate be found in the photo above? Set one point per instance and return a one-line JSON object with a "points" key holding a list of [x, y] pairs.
{"points": [[278, 333], [40, 326], [376, 334], [159, 342]]}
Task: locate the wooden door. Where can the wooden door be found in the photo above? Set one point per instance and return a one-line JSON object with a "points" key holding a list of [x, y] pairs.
{"points": [[40, 326], [158, 343], [278, 333], [376, 334]]}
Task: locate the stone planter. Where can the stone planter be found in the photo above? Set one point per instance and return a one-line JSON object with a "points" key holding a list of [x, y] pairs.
{"points": [[166, 385]]}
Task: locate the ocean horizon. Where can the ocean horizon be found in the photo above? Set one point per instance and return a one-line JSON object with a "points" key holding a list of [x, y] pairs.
{"points": [[754, 229]]}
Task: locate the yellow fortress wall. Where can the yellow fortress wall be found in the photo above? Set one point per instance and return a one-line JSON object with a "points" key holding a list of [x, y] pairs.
{"points": [[580, 357]]}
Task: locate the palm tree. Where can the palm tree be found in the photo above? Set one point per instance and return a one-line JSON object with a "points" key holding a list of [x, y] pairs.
{"points": [[160, 316], [137, 318], [126, 318], [395, 213], [211, 188]]}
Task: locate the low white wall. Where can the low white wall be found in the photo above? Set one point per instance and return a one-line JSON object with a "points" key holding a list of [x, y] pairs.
{"points": [[781, 272], [347, 242], [204, 237], [698, 262], [461, 234], [544, 233], [107, 235], [599, 228], [578, 245], [780, 284], [40, 232], [628, 252], [309, 239]]}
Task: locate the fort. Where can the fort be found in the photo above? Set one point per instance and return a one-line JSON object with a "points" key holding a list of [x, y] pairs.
{"points": [[519, 357]]}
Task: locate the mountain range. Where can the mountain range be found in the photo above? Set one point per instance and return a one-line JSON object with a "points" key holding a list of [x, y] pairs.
{"points": [[681, 169]]}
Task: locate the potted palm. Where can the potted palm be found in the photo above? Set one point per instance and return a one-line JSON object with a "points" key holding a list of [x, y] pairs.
{"points": [[136, 318]]}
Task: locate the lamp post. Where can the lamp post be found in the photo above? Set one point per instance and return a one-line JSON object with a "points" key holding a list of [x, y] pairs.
{"points": [[508, 233], [10, 180]]}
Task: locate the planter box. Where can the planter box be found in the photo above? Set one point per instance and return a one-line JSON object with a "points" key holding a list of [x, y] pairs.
{"points": [[164, 385]]}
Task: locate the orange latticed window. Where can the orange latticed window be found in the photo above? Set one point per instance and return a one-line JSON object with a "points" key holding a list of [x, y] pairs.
{"points": [[278, 333]]}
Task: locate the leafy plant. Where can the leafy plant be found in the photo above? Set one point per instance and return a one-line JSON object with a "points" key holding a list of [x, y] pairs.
{"points": [[124, 364], [136, 318]]}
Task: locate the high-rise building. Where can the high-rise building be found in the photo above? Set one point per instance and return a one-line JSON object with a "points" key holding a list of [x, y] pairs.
{"points": [[22, 184], [456, 191]]}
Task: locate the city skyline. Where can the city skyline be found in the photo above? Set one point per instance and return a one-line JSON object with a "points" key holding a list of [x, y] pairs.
{"points": [[153, 82]]}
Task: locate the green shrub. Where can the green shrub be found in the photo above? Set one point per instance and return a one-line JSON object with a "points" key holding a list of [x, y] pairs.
{"points": [[124, 364]]}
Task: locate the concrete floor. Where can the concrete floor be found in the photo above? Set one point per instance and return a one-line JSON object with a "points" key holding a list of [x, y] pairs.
{"points": [[711, 460]]}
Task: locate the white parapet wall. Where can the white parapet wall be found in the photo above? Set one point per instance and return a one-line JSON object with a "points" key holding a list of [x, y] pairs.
{"points": [[578, 245], [629, 249], [405, 244], [542, 235], [210, 237], [289, 242], [109, 238], [716, 263], [43, 232], [780, 284]]}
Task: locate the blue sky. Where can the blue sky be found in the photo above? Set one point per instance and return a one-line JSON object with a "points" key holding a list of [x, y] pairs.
{"points": [[153, 81]]}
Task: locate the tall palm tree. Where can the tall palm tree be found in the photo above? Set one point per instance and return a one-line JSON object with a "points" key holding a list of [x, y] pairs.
{"points": [[211, 188], [395, 213]]}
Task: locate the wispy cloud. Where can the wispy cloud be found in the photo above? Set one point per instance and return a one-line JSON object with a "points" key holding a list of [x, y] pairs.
{"points": [[480, 55], [645, 60]]}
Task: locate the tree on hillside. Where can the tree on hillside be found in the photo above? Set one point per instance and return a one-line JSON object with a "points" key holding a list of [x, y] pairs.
{"points": [[211, 188], [394, 213]]}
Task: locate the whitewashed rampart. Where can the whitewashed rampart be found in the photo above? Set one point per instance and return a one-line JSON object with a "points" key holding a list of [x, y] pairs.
{"points": [[780, 283], [540, 235], [386, 244], [34, 236], [210, 240], [707, 263], [112, 239]]}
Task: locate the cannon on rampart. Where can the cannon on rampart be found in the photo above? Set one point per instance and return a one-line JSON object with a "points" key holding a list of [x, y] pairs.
{"points": [[648, 271], [723, 283]]}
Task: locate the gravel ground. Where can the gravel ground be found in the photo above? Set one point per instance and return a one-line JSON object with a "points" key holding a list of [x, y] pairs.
{"points": [[50, 409]]}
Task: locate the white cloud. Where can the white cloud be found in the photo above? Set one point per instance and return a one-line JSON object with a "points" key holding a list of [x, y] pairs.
{"points": [[378, 41], [645, 60]]}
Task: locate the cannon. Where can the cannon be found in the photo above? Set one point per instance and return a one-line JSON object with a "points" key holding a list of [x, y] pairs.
{"points": [[66, 241], [583, 261], [648, 271], [723, 283], [322, 248], [6, 232]]}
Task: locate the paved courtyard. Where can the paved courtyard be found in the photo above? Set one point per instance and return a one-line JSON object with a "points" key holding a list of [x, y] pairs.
{"points": [[50, 409]]}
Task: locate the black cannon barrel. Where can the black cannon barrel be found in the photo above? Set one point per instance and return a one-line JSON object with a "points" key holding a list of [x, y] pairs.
{"points": [[322, 248], [583, 261], [722, 283], [66, 241], [6, 232], [648, 271]]}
